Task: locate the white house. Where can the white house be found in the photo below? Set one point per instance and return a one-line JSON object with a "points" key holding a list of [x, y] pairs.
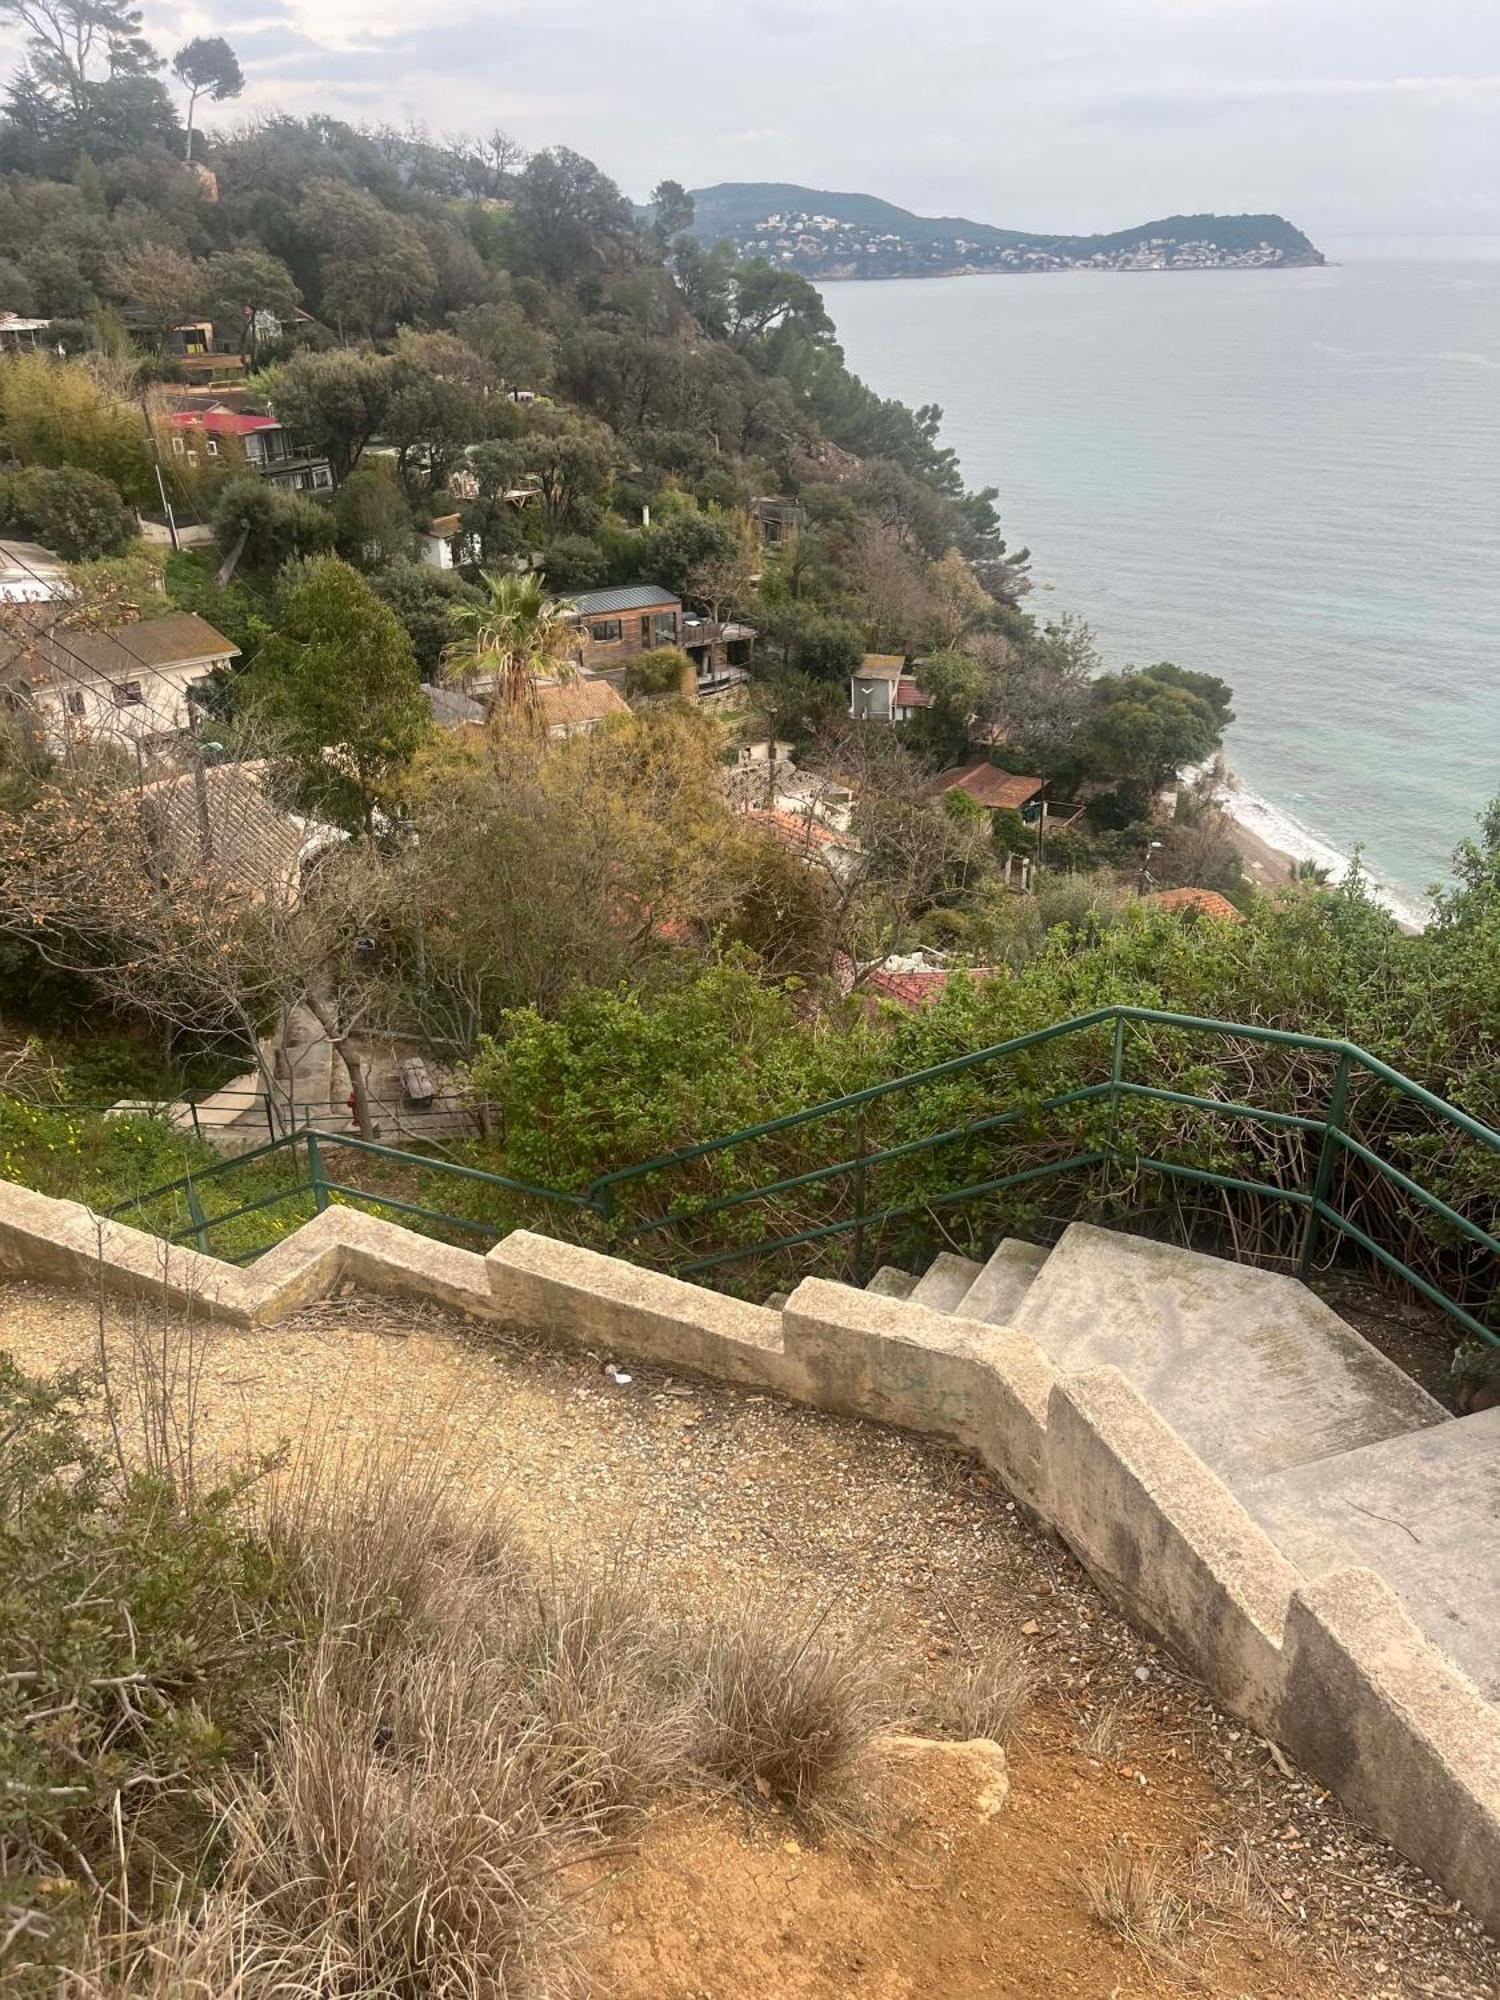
{"points": [[883, 688], [134, 684]]}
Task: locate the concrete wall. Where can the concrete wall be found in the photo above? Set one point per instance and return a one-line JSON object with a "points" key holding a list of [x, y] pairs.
{"points": [[1333, 1668]]}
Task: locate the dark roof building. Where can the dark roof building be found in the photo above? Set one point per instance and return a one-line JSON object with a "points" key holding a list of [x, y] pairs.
{"points": [[624, 597]]}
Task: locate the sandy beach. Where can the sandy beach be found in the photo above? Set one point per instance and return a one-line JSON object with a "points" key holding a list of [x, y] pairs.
{"points": [[1268, 866]]}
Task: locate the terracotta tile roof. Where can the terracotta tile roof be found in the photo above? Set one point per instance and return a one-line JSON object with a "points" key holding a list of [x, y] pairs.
{"points": [[918, 986], [1203, 902], [572, 704], [986, 786], [796, 830], [223, 423], [907, 989], [909, 695]]}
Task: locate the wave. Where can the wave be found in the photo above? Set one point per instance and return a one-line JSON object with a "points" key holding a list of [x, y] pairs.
{"points": [[1287, 834]]}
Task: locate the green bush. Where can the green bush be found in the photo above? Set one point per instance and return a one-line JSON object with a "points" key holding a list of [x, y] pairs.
{"points": [[78, 514], [619, 1078], [146, 1635]]}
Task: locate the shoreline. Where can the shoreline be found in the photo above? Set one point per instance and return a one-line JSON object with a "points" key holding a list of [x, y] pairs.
{"points": [[1271, 843]]}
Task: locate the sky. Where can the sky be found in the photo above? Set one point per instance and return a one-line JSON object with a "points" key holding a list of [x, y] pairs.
{"points": [[1352, 117]]}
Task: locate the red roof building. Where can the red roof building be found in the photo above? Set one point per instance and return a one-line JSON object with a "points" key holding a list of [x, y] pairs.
{"points": [[261, 441], [987, 785]]}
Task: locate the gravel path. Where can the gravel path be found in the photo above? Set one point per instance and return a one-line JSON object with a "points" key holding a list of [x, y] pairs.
{"points": [[714, 1490]]}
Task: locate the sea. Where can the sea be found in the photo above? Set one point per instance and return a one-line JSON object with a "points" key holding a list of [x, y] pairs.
{"points": [[1289, 478]]}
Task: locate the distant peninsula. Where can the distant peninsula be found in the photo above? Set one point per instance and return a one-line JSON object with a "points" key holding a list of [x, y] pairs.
{"points": [[823, 235]]}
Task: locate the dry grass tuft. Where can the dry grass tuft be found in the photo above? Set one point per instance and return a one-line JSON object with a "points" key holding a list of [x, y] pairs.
{"points": [[781, 1707], [1136, 1897], [458, 1725], [984, 1694]]}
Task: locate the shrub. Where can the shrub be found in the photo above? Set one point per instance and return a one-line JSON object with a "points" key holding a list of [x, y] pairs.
{"points": [[665, 670], [78, 514]]}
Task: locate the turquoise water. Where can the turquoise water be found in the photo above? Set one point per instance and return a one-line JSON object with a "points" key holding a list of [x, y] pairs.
{"points": [[1289, 478]]}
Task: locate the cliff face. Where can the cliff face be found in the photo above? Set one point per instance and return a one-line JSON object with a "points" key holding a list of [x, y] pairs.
{"points": [[834, 236]]}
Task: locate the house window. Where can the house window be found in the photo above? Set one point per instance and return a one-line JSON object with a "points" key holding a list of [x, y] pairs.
{"points": [[606, 631], [211, 447], [664, 628], [178, 446], [128, 694], [73, 701]]}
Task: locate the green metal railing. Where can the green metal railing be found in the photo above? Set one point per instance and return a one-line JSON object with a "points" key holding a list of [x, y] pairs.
{"points": [[602, 1210]]}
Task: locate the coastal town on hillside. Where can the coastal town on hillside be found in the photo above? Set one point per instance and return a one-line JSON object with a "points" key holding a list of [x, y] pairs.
{"points": [[825, 246]]}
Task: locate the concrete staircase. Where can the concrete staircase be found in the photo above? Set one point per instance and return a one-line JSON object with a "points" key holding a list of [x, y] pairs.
{"points": [[1337, 1454]]}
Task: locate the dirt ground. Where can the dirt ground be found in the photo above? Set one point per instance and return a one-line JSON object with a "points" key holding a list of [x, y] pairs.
{"points": [[1122, 1768]]}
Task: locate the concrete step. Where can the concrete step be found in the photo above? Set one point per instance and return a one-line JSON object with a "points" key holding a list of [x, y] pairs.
{"points": [[890, 1282], [996, 1294], [1421, 1510], [1253, 1371], [944, 1283]]}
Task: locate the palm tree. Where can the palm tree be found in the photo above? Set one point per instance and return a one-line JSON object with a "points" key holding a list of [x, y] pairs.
{"points": [[516, 638]]}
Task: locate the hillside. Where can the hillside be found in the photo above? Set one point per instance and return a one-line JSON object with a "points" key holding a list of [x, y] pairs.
{"points": [[826, 235]]}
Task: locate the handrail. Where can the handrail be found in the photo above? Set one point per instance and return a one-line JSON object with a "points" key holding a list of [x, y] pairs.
{"points": [[600, 1197]]}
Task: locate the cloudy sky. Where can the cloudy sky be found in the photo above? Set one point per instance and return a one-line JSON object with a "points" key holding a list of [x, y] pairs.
{"points": [[1351, 116]]}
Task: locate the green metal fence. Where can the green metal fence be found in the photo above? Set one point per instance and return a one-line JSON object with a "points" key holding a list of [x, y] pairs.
{"points": [[643, 1210]]}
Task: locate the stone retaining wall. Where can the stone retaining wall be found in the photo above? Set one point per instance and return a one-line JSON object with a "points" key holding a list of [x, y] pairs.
{"points": [[1332, 1668]]}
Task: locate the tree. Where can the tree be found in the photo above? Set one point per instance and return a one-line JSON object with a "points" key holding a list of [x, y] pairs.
{"points": [[765, 297], [166, 285], [336, 687], [68, 413], [429, 421], [684, 544], [958, 598], [373, 266], [520, 353], [810, 642], [1038, 687], [1142, 731], [207, 67], [335, 403], [372, 521], [77, 513], [898, 603], [261, 527], [248, 286], [67, 39], [1216, 694], [575, 220], [672, 211], [424, 599], [566, 456], [956, 683], [513, 638]]}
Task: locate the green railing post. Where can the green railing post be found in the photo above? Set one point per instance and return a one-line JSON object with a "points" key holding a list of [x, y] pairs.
{"points": [[1333, 1127], [200, 1220], [1116, 1078], [860, 1273], [315, 1171]]}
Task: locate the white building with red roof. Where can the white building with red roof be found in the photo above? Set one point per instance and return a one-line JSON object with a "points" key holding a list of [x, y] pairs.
{"points": [[216, 431]]}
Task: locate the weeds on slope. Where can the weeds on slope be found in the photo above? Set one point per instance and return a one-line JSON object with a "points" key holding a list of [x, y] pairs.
{"points": [[322, 1731]]}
